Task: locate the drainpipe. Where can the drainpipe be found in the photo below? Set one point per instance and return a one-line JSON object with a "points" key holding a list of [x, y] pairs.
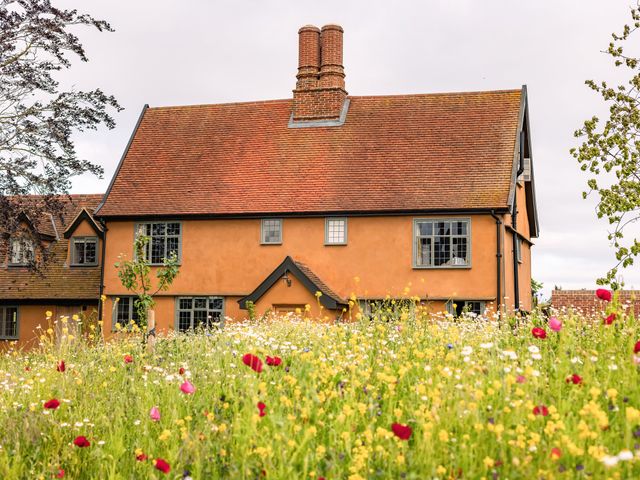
{"points": [[104, 252], [498, 260], [514, 224]]}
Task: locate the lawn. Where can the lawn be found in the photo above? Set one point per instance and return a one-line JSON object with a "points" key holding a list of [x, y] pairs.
{"points": [[407, 396]]}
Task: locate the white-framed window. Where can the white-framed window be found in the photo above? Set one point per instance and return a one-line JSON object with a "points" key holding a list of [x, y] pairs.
{"points": [[84, 251], [441, 243], [125, 312], [22, 251], [271, 231], [458, 308], [518, 247], [335, 231], [199, 312], [8, 322], [165, 238]]}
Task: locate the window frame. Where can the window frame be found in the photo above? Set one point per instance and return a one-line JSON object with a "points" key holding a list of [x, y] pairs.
{"points": [[414, 241], [518, 247], [177, 309], [132, 308], [327, 241], [13, 240], [262, 230], [83, 239], [3, 313], [449, 306], [149, 245]]}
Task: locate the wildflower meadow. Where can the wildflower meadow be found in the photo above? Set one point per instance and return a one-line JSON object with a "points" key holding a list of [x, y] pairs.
{"points": [[408, 395]]}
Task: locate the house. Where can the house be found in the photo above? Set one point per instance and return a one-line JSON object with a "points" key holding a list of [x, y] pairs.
{"points": [[70, 283], [307, 202]]}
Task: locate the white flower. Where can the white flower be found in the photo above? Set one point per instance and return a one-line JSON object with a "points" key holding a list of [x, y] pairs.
{"points": [[625, 455], [536, 356], [136, 422], [576, 360], [534, 349], [593, 358], [535, 373], [609, 461], [511, 354], [466, 351], [486, 345]]}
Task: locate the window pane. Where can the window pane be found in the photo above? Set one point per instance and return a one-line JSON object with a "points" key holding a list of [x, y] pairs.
{"points": [[443, 228], [459, 228], [214, 318], [157, 249], [441, 250], [425, 228], [173, 229], [424, 252], [90, 251], [185, 303], [184, 321], [158, 229], [172, 246], [200, 318], [200, 303], [336, 231], [216, 304], [459, 256], [271, 230], [78, 252], [10, 322]]}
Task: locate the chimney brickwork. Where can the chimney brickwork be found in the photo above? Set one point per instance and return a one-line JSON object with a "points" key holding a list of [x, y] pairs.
{"points": [[320, 90]]}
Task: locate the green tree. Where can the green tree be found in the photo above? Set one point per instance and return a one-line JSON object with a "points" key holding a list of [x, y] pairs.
{"points": [[135, 276], [38, 119], [611, 152]]}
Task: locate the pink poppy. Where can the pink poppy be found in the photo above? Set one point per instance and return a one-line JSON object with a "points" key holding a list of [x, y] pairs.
{"points": [[252, 361], [603, 294], [261, 406], [521, 379], [555, 324], [162, 465], [274, 361], [81, 441], [403, 432], [187, 387], [538, 332], [52, 404], [154, 414], [541, 410], [60, 473]]}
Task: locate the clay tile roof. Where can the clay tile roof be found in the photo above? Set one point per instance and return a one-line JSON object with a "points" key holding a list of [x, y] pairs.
{"points": [[322, 287], [59, 282], [393, 153]]}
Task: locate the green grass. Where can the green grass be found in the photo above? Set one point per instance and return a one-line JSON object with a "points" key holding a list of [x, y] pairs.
{"points": [[331, 404]]}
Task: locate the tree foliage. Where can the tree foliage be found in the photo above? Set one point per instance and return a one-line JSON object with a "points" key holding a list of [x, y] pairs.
{"points": [[611, 152], [135, 276], [37, 119]]}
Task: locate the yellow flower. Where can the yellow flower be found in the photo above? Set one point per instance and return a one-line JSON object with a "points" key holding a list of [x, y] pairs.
{"points": [[488, 462], [164, 435], [48, 313]]}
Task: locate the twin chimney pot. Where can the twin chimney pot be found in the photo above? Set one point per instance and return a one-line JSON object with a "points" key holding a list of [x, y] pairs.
{"points": [[319, 93]]}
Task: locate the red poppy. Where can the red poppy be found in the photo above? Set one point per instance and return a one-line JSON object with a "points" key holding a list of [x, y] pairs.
{"points": [[610, 319], [52, 404], [274, 361], [181, 371], [128, 359], [162, 465], [541, 410], [142, 457], [603, 294], [60, 473], [81, 441], [521, 379], [556, 452], [403, 432], [252, 361], [61, 367], [538, 332], [27, 368], [261, 407], [575, 379], [636, 347]]}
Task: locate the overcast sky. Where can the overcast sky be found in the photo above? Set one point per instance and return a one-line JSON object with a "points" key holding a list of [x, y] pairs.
{"points": [[192, 52]]}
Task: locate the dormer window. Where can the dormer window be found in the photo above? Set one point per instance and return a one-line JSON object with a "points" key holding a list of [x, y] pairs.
{"points": [[22, 252], [84, 251]]}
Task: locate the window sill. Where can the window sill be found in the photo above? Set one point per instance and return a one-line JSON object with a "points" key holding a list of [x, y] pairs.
{"points": [[335, 244], [9, 339], [270, 243], [81, 265], [446, 267]]}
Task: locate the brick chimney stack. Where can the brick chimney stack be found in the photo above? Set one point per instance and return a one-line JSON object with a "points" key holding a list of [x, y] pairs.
{"points": [[320, 92]]}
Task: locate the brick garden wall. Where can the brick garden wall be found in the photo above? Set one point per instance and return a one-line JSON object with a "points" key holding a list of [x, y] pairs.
{"points": [[586, 301]]}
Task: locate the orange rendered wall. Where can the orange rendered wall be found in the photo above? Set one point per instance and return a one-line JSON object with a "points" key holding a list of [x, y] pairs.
{"points": [[224, 257]]}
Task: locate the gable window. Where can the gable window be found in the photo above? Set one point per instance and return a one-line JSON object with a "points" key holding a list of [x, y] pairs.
{"points": [[335, 231], [126, 312], [271, 231], [21, 251], [84, 251], [441, 243], [519, 249], [8, 323], [199, 312], [458, 308], [164, 240]]}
